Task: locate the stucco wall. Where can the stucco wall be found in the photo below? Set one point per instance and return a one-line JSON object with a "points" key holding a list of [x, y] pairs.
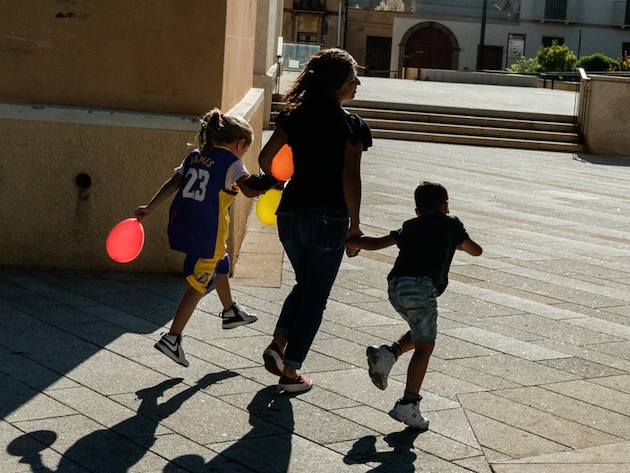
{"points": [[239, 47], [364, 23], [143, 55], [607, 116], [49, 220], [117, 88]]}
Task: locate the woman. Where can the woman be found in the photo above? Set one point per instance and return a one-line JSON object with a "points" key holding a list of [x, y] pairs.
{"points": [[319, 209]]}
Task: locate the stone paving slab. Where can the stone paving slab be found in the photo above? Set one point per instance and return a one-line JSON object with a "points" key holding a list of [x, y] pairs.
{"points": [[531, 371]]}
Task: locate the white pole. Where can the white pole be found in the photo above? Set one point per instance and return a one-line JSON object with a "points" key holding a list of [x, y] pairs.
{"points": [[279, 50], [339, 24]]}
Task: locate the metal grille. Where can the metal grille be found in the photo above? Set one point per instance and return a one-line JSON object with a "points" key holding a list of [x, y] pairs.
{"points": [[313, 5], [556, 10]]}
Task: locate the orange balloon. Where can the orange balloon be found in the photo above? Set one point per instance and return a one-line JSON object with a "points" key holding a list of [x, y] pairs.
{"points": [[125, 241], [282, 164]]}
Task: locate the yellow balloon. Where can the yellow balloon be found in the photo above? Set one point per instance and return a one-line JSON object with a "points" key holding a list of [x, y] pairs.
{"points": [[267, 205]]}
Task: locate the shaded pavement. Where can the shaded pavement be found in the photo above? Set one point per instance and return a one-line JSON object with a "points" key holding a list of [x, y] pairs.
{"points": [[531, 371]]}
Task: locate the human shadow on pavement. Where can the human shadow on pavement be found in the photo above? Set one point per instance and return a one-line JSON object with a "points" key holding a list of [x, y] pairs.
{"points": [[608, 160], [52, 321], [266, 447], [400, 459], [120, 447]]}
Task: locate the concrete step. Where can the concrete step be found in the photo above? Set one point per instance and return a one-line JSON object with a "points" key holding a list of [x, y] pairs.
{"points": [[477, 127], [449, 110], [496, 142], [541, 124], [479, 140], [568, 136]]}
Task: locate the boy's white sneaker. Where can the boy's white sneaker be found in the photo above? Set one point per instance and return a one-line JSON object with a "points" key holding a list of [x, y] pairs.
{"points": [[410, 414], [380, 361]]}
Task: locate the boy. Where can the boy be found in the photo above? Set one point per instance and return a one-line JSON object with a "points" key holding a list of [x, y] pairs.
{"points": [[426, 245]]}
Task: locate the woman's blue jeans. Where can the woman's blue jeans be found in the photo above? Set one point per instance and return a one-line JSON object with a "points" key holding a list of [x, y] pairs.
{"points": [[313, 239]]}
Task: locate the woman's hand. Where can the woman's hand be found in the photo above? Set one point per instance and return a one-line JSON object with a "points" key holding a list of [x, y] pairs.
{"points": [[353, 233]]}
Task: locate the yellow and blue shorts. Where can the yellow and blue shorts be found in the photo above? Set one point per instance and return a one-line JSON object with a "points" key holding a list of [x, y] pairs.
{"points": [[200, 272]]}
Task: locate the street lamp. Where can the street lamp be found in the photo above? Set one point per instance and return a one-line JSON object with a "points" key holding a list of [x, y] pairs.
{"points": [[482, 38]]}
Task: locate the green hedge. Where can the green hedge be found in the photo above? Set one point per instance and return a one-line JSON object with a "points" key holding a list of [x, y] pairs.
{"points": [[598, 62]]}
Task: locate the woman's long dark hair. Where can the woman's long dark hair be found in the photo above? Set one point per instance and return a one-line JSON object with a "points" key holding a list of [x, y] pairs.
{"points": [[323, 75]]}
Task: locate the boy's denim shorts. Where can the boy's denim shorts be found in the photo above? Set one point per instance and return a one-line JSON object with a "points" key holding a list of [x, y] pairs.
{"points": [[415, 298]]}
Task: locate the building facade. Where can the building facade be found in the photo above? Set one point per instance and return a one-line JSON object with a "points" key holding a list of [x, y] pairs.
{"points": [[99, 102], [389, 37]]}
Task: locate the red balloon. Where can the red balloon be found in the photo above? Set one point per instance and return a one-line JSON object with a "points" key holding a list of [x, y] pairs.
{"points": [[282, 164], [124, 242]]}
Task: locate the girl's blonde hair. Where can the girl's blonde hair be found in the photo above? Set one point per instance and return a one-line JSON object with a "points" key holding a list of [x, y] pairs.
{"points": [[217, 129]]}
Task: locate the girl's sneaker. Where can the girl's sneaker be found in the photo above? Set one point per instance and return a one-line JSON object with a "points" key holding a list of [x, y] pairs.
{"points": [[299, 384], [171, 346], [236, 316]]}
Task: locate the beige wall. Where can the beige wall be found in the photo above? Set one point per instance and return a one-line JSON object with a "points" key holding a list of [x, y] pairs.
{"points": [[238, 62], [266, 70], [364, 23], [48, 220], [118, 87], [141, 55], [360, 24], [604, 115]]}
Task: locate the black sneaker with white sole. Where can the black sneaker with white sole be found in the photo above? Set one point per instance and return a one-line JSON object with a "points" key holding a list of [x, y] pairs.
{"points": [[171, 346], [237, 316]]}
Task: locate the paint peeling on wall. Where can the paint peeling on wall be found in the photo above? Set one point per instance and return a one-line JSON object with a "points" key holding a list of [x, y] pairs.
{"points": [[80, 16]]}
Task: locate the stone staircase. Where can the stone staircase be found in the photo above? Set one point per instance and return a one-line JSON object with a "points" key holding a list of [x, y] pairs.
{"points": [[477, 127]]}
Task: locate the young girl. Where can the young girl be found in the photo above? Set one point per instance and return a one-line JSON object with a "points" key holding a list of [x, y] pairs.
{"points": [[206, 183]]}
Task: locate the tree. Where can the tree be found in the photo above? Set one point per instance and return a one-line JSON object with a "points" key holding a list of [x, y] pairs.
{"points": [[556, 58], [524, 65], [391, 5], [624, 62]]}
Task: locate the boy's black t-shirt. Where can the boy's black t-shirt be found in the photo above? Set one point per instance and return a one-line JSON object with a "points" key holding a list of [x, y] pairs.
{"points": [[317, 133], [427, 245]]}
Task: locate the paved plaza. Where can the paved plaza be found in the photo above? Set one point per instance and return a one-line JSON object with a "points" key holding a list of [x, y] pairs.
{"points": [[531, 371]]}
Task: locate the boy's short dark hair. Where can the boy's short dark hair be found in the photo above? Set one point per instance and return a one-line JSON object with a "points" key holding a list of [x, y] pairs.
{"points": [[430, 196]]}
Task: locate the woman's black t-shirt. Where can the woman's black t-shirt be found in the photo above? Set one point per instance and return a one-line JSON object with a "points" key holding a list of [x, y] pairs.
{"points": [[317, 134]]}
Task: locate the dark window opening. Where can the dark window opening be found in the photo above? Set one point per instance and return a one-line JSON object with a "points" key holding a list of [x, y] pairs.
{"points": [[556, 9], [311, 5], [547, 41], [306, 37]]}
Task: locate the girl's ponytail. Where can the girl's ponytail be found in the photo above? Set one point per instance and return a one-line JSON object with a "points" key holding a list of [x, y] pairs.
{"points": [[218, 129]]}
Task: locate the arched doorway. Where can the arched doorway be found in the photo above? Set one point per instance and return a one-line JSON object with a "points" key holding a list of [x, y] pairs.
{"points": [[428, 45]]}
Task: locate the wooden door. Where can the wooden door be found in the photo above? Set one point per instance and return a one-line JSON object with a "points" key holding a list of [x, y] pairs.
{"points": [[378, 55], [429, 48]]}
